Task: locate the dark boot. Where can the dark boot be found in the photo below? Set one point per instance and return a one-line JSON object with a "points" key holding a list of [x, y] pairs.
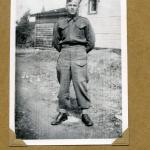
{"points": [[86, 120], [60, 118]]}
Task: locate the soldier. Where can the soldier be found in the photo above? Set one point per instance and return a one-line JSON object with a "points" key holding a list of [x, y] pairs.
{"points": [[74, 38]]}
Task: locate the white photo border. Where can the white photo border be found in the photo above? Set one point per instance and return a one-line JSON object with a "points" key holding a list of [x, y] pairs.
{"points": [[124, 86]]}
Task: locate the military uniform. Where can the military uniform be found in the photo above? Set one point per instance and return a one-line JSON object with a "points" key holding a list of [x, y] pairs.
{"points": [[73, 37]]}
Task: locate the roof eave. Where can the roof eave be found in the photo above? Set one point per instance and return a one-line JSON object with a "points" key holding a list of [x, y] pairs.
{"points": [[48, 15]]}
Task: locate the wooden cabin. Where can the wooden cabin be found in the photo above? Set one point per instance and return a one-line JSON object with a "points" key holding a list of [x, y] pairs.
{"points": [[104, 15]]}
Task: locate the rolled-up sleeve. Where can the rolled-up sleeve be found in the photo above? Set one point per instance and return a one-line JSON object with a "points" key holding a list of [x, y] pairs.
{"points": [[90, 37], [56, 38]]}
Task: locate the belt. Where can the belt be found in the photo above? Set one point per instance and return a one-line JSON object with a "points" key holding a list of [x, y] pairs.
{"points": [[72, 44]]}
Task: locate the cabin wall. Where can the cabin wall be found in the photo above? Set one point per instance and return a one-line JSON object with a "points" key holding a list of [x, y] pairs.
{"points": [[44, 31]]}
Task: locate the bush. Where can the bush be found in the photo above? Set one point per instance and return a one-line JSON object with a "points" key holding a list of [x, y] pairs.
{"points": [[24, 32]]}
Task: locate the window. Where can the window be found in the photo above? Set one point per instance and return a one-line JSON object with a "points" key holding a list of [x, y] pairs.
{"points": [[92, 6]]}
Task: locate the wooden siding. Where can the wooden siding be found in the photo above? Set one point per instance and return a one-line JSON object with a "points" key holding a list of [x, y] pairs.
{"points": [[106, 22], [44, 34], [44, 31]]}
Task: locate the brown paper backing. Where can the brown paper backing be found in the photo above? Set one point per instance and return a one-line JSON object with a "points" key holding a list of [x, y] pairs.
{"points": [[13, 141], [124, 140], [138, 78]]}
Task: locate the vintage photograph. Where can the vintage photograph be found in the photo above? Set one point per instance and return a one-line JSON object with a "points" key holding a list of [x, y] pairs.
{"points": [[68, 71]]}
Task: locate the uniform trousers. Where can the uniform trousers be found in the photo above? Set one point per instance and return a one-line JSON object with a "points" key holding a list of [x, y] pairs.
{"points": [[72, 66]]}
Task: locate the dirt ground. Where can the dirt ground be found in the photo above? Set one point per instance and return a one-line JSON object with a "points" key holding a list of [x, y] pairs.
{"points": [[36, 96]]}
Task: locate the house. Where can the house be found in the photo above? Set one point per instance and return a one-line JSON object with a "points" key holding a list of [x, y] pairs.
{"points": [[104, 15]]}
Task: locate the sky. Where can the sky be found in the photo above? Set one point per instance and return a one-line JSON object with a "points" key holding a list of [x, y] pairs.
{"points": [[36, 6]]}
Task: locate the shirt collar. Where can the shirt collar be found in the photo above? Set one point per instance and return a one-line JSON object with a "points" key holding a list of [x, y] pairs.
{"points": [[69, 18]]}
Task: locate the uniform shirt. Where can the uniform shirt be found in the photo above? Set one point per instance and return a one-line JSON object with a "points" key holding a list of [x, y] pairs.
{"points": [[75, 30]]}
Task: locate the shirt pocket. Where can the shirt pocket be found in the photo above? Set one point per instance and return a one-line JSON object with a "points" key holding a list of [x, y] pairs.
{"points": [[62, 26], [80, 25], [80, 28]]}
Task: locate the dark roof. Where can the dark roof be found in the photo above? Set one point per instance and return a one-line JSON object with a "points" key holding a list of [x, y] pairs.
{"points": [[55, 12]]}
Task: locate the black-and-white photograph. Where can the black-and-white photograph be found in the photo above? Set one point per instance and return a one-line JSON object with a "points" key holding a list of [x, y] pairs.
{"points": [[68, 71]]}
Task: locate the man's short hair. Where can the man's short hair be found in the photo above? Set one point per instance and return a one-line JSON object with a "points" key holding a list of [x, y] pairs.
{"points": [[68, 1]]}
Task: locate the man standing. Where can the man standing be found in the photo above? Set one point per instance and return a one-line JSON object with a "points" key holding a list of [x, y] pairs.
{"points": [[73, 38]]}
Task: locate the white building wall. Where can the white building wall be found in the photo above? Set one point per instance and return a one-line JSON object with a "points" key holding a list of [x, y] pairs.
{"points": [[106, 22]]}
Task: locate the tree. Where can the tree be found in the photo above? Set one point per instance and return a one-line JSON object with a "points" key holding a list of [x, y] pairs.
{"points": [[23, 30]]}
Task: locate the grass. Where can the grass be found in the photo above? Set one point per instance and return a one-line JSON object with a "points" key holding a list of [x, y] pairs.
{"points": [[37, 88]]}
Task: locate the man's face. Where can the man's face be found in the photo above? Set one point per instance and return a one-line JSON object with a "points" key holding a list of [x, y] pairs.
{"points": [[72, 7]]}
